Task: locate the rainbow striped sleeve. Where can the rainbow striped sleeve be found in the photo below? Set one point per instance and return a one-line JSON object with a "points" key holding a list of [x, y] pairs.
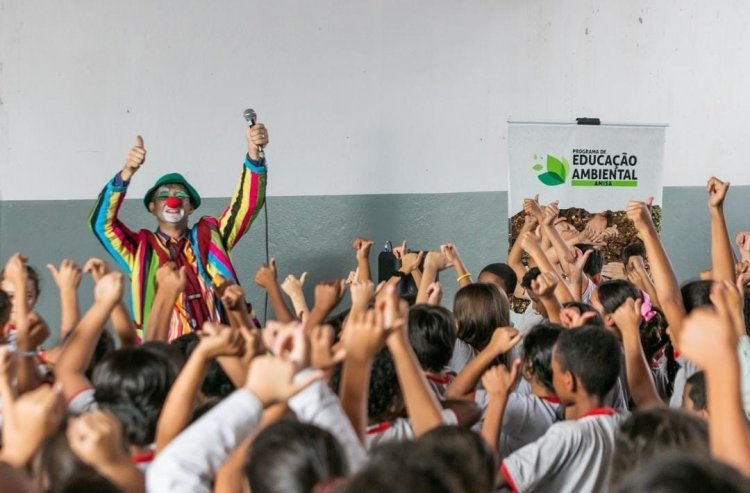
{"points": [[119, 241], [246, 203]]}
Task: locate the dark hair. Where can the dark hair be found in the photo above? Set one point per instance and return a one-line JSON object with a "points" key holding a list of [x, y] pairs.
{"points": [[64, 471], [216, 383], [384, 394], [293, 457], [479, 309], [476, 470], [635, 249], [133, 383], [530, 275], [104, 346], [696, 293], [402, 468], [504, 272], [651, 433], [32, 275], [592, 354], [586, 308], [679, 473], [432, 334], [537, 351], [697, 393], [594, 263], [612, 294], [5, 308]]}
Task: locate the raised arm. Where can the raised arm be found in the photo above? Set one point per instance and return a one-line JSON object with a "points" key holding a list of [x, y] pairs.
{"points": [[498, 382], [450, 252], [640, 382], [116, 238], [178, 407], [362, 248], [67, 278], [710, 341], [530, 243], [170, 282], [266, 277], [121, 322], [250, 194], [79, 348], [503, 340], [515, 255], [722, 257], [667, 289]]}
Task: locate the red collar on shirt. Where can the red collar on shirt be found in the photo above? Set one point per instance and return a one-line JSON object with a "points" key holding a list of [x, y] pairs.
{"points": [[143, 458], [550, 398], [600, 411], [378, 428], [443, 379]]}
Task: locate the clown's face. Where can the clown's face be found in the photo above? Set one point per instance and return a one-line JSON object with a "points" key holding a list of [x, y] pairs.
{"points": [[171, 204]]}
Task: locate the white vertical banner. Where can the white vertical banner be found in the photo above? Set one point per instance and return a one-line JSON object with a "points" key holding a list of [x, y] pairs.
{"points": [[593, 167], [593, 170]]}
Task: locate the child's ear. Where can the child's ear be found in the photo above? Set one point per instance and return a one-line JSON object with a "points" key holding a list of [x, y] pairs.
{"points": [[597, 279], [570, 382], [527, 371], [609, 320]]}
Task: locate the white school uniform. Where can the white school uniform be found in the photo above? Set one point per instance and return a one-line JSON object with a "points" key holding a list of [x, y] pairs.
{"points": [[399, 430], [573, 456]]}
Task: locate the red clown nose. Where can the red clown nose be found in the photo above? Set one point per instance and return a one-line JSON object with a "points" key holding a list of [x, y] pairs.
{"points": [[173, 202]]}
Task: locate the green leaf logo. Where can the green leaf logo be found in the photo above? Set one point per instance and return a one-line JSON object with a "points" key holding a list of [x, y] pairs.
{"points": [[557, 171]]}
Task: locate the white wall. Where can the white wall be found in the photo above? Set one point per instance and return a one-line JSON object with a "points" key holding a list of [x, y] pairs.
{"points": [[360, 96]]}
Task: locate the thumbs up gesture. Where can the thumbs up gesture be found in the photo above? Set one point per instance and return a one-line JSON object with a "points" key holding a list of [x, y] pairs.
{"points": [[135, 159]]}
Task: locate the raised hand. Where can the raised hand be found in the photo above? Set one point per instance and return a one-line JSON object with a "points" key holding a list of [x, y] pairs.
{"points": [[498, 381], [436, 261], [218, 340], [96, 267], [503, 340], [614, 270], [532, 209], [109, 288], [435, 293], [136, 158], [68, 276], [544, 285], [627, 316], [365, 335], [328, 294], [323, 355], [570, 317], [717, 191], [708, 335], [171, 278], [293, 285], [362, 293], [743, 242], [266, 274], [640, 214], [450, 252], [271, 379], [530, 242], [362, 247], [550, 213], [97, 439], [257, 136], [15, 270]]}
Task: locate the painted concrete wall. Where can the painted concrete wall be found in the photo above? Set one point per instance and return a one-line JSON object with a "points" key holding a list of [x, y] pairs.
{"points": [[387, 117], [362, 96]]}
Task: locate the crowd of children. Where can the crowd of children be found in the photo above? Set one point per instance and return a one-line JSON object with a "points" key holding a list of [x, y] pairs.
{"points": [[615, 378]]}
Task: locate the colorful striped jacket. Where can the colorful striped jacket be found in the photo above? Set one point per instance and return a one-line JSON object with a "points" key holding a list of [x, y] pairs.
{"points": [[139, 254]]}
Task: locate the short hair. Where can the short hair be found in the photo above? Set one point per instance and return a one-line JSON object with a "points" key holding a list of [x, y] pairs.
{"points": [[651, 433], [217, 382], [477, 468], [293, 457], [504, 272], [480, 308], [696, 293], [635, 249], [681, 472], [592, 354], [432, 334], [594, 263], [402, 468], [32, 275], [586, 308], [132, 384], [537, 351], [530, 275], [697, 393]]}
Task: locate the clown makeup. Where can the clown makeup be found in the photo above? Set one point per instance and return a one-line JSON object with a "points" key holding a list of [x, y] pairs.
{"points": [[172, 210]]}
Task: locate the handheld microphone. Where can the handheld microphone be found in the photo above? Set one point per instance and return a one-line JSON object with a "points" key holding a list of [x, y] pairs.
{"points": [[251, 117]]}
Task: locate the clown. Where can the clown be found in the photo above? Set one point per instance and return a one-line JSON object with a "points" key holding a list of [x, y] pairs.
{"points": [[203, 249]]}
